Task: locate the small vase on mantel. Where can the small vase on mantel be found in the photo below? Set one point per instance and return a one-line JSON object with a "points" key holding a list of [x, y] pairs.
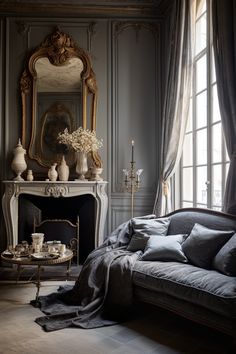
{"points": [[30, 176], [63, 170], [52, 172], [18, 164], [81, 165], [96, 172]]}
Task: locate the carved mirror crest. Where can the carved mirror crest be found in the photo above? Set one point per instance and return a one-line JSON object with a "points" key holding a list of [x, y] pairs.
{"points": [[59, 90]]}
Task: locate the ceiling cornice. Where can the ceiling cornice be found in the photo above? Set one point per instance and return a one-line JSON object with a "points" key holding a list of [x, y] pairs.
{"points": [[150, 9]]}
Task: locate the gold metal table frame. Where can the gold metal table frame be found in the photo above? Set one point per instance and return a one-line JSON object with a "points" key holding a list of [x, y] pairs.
{"points": [[20, 261]]}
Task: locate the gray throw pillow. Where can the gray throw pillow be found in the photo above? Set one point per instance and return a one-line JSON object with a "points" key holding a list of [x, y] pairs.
{"points": [[225, 260], [165, 248], [203, 244], [138, 242], [157, 226]]}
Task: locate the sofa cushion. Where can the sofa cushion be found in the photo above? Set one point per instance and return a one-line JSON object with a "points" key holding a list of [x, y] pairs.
{"points": [[207, 288], [167, 248], [158, 226], [203, 244], [225, 260], [138, 242]]}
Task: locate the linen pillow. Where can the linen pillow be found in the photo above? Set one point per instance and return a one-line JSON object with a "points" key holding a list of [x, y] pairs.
{"points": [[203, 244], [157, 226], [225, 260], [138, 242], [165, 248]]}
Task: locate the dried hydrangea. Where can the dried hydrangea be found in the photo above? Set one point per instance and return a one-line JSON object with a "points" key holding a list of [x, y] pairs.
{"points": [[80, 140]]}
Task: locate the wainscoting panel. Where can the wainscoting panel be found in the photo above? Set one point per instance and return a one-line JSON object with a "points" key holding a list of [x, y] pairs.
{"points": [[122, 213], [135, 113]]}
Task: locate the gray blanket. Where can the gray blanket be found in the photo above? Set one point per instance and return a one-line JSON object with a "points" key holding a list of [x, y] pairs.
{"points": [[102, 292]]}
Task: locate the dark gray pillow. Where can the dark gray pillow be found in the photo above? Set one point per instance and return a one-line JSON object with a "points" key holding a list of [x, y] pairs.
{"points": [[138, 242], [225, 260], [165, 248], [203, 244], [157, 226]]}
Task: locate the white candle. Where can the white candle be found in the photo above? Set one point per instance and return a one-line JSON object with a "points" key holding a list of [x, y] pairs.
{"points": [[132, 154]]}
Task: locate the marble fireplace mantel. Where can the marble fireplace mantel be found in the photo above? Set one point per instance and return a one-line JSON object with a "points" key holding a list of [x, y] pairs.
{"points": [[13, 189]]}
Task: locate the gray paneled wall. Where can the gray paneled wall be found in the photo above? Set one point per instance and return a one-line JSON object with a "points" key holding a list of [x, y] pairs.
{"points": [[135, 112], [126, 59]]}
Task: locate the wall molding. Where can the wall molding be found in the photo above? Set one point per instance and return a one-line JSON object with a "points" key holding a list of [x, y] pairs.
{"points": [[150, 9], [120, 214], [121, 26], [118, 29], [25, 26]]}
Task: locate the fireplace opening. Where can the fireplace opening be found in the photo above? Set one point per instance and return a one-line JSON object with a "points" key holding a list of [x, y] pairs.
{"points": [[79, 210]]}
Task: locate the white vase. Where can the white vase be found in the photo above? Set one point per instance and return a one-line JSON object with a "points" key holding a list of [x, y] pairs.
{"points": [[96, 172], [63, 170], [81, 165], [30, 176], [18, 164], [52, 172]]}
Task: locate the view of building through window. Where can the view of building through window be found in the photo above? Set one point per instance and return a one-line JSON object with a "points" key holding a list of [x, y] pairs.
{"points": [[204, 162]]}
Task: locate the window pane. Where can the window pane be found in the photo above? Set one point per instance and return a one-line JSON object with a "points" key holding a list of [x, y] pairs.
{"points": [[201, 107], [201, 74], [200, 34], [201, 7], [187, 205], [215, 105], [216, 208], [216, 143], [190, 117], [188, 150], [216, 185], [213, 69], [201, 206], [201, 146], [201, 185], [187, 184]]}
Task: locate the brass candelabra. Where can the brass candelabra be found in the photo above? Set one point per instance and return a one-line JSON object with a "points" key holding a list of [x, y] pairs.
{"points": [[132, 180]]}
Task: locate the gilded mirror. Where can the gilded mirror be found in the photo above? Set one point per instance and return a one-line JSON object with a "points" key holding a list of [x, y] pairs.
{"points": [[59, 90]]}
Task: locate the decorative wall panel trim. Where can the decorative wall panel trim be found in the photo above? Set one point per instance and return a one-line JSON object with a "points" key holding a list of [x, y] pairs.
{"points": [[120, 214], [25, 26], [137, 26], [119, 29]]}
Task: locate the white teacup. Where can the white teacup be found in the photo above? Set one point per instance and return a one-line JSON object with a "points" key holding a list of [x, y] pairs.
{"points": [[37, 240], [62, 249]]}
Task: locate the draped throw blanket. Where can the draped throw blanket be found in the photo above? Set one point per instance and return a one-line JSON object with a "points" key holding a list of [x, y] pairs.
{"points": [[102, 291]]}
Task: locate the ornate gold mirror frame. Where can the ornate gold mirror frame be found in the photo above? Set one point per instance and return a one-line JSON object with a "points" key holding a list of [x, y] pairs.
{"points": [[59, 49]]}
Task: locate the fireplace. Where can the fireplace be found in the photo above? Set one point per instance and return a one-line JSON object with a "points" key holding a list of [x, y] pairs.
{"points": [[83, 203]]}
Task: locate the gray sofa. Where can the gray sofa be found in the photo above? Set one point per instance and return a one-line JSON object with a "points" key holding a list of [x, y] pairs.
{"points": [[202, 294]]}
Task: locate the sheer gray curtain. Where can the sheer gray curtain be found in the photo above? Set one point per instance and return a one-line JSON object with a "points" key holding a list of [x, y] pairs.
{"points": [[224, 42], [177, 95]]}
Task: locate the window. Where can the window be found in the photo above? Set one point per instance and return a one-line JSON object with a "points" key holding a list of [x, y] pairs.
{"points": [[204, 163]]}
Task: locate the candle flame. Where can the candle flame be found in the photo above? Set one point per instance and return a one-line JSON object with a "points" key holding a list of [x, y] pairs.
{"points": [[132, 142]]}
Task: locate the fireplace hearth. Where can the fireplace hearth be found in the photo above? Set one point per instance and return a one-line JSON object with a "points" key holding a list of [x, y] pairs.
{"points": [[26, 203]]}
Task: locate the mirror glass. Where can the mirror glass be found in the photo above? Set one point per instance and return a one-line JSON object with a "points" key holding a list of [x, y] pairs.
{"points": [[58, 107], [64, 78], [59, 91]]}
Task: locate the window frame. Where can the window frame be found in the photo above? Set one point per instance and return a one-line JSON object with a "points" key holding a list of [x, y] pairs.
{"points": [[177, 181]]}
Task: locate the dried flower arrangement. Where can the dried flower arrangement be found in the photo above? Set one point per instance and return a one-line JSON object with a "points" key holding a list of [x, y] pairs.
{"points": [[84, 140]]}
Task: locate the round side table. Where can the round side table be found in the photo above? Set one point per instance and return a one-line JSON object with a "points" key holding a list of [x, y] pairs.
{"points": [[39, 262]]}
